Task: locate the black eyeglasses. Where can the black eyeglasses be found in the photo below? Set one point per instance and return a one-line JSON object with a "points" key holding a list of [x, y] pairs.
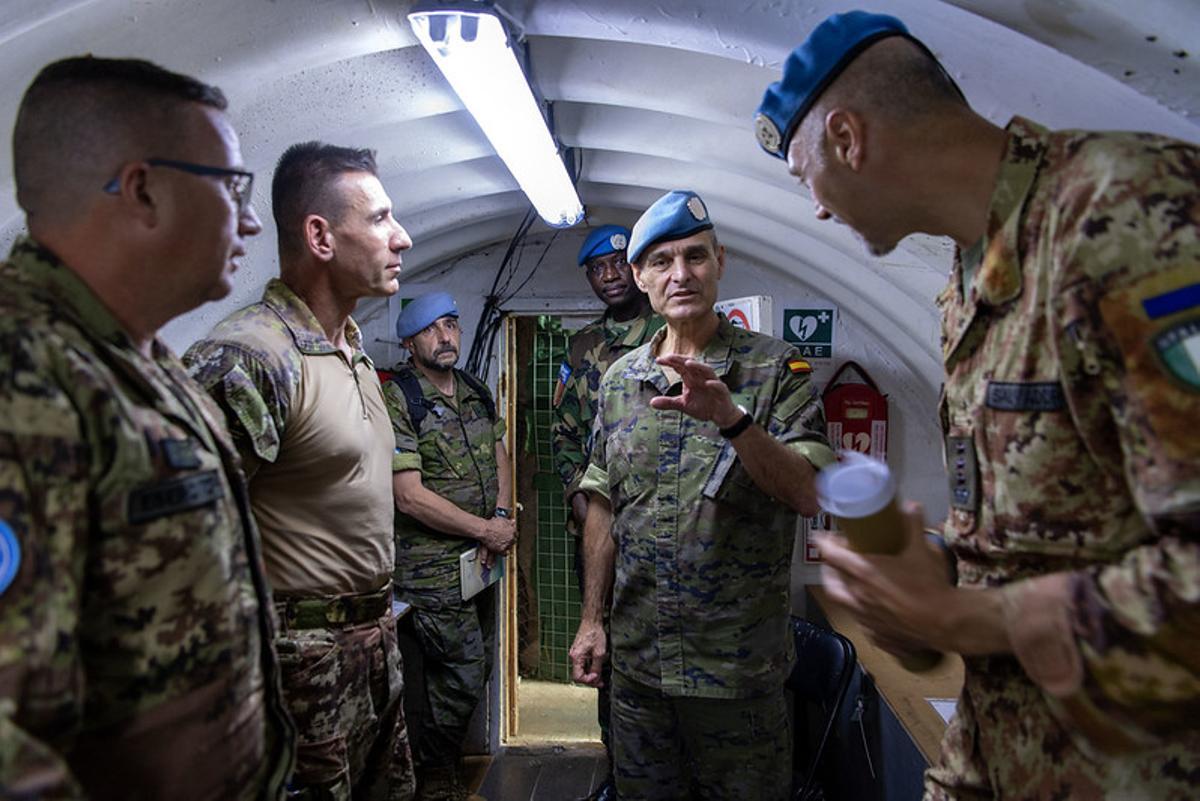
{"points": [[240, 182]]}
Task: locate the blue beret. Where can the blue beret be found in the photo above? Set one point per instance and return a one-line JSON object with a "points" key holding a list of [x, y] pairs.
{"points": [[602, 241], [812, 67], [423, 311], [675, 215]]}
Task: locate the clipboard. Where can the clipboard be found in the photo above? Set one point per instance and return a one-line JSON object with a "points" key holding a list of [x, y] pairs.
{"points": [[474, 578]]}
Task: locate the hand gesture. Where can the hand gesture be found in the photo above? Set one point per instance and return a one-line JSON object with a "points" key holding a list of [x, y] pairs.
{"points": [[704, 395]]}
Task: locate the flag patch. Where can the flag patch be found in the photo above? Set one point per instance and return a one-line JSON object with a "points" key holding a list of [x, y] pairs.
{"points": [[799, 366]]}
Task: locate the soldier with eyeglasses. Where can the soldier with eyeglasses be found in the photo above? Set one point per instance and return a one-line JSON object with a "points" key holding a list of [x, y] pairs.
{"points": [[136, 631]]}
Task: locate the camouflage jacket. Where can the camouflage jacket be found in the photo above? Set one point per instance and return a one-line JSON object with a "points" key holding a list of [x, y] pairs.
{"points": [[135, 636], [456, 454], [313, 429], [590, 352], [701, 596], [1071, 412]]}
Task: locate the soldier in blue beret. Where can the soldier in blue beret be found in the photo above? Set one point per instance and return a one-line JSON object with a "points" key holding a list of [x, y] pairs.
{"points": [[1069, 412], [627, 322], [706, 442], [452, 482]]}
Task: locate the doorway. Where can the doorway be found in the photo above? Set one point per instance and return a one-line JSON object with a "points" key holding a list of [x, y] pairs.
{"points": [[540, 705]]}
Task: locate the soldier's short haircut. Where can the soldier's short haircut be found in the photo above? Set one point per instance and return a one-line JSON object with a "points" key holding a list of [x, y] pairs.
{"points": [[83, 117], [305, 183], [894, 79]]}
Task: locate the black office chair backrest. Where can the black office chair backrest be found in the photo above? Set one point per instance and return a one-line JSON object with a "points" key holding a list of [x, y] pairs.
{"points": [[825, 662]]}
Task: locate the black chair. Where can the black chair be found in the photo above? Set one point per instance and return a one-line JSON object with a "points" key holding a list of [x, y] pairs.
{"points": [[825, 662]]}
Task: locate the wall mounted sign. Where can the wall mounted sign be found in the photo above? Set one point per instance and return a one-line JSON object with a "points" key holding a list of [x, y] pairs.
{"points": [[810, 330]]}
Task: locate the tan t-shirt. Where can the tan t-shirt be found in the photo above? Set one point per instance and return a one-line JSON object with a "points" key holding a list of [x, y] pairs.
{"points": [[316, 437]]}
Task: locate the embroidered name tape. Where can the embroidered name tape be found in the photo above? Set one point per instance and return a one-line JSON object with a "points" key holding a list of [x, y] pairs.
{"points": [[174, 495], [1036, 396]]}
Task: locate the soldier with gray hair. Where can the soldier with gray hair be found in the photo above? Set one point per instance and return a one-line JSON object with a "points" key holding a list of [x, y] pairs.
{"points": [[136, 631], [307, 412], [1071, 341], [706, 445]]}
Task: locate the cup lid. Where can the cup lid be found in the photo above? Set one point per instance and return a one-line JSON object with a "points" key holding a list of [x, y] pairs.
{"points": [[855, 486]]}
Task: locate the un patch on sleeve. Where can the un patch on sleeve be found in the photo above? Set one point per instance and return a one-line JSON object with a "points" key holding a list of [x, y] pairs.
{"points": [[10, 556], [1179, 349]]}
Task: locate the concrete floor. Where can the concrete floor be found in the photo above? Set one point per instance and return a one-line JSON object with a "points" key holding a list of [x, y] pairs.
{"points": [[555, 755]]}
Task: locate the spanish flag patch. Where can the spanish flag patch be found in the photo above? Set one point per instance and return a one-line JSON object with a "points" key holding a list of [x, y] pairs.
{"points": [[799, 366]]}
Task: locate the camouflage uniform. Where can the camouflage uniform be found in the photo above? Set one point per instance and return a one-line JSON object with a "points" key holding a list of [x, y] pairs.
{"points": [[455, 452], [592, 349], [342, 671], [1071, 411], [701, 642], [134, 639]]}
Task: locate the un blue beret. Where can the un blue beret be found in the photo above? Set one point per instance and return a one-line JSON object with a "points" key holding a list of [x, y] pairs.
{"points": [[812, 67], [423, 311], [602, 241], [675, 215]]}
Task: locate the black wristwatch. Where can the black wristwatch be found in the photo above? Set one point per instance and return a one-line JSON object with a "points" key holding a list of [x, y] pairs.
{"points": [[744, 422], [502, 512]]}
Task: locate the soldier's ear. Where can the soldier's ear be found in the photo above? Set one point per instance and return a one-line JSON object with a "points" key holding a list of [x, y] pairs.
{"points": [[318, 237], [637, 277]]}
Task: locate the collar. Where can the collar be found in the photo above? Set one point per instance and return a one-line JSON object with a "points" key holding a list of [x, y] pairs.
{"points": [[998, 279], [302, 324], [629, 333], [716, 354]]}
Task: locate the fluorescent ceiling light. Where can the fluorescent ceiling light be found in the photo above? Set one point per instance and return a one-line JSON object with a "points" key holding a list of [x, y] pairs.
{"points": [[471, 49]]}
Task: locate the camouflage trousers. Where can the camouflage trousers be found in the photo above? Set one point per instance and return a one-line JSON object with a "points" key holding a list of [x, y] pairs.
{"points": [[668, 748], [454, 637], [344, 689], [1003, 742]]}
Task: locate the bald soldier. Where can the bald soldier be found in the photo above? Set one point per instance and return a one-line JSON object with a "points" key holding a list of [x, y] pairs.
{"points": [[135, 621], [706, 444], [307, 412], [1071, 341], [627, 322]]}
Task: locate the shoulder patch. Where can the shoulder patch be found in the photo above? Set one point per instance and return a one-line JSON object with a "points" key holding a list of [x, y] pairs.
{"points": [[564, 375], [799, 366], [1179, 349], [10, 556]]}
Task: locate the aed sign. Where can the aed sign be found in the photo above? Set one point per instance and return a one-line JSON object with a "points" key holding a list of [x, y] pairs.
{"points": [[810, 330]]}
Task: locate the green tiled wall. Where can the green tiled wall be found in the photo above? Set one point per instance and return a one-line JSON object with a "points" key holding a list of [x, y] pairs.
{"points": [[554, 574]]}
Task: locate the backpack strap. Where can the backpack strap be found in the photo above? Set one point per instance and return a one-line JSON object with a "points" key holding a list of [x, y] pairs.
{"points": [[481, 390], [418, 407]]}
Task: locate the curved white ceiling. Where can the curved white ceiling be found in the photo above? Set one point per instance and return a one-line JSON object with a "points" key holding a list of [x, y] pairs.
{"points": [[655, 95]]}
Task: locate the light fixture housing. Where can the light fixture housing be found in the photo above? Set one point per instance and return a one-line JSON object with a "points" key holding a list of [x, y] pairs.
{"points": [[471, 47]]}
